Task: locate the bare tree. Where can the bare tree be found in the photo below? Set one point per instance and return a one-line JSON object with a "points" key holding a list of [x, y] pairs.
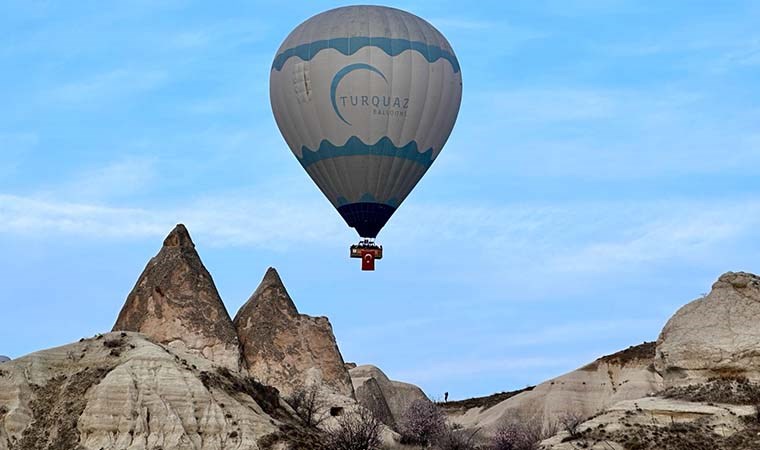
{"points": [[571, 421], [422, 422], [522, 434], [309, 403], [355, 430], [456, 438]]}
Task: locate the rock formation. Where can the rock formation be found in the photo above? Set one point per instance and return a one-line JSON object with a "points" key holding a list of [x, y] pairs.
{"points": [[4, 359], [716, 335], [386, 398], [176, 303], [121, 391], [171, 375], [625, 375], [709, 360], [664, 424], [286, 349]]}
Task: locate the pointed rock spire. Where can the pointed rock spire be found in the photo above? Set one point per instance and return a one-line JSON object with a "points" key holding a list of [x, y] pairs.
{"points": [[175, 302], [284, 348], [269, 299]]}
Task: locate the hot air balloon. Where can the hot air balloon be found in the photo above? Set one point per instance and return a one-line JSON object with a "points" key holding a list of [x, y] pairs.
{"points": [[365, 97]]}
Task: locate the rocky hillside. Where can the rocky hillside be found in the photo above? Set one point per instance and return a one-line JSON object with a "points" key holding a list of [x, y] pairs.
{"points": [[697, 387], [123, 391], [177, 373], [628, 374], [709, 396]]}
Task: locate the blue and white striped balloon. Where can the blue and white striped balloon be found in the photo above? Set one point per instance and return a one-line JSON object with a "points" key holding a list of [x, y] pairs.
{"points": [[366, 97]]}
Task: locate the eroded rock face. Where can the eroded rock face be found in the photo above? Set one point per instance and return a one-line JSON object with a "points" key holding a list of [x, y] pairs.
{"points": [[121, 391], [175, 302], [625, 375], [714, 336], [286, 349], [386, 398], [655, 422]]}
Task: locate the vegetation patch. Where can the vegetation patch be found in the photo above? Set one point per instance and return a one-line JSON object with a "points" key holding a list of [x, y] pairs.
{"points": [[265, 396], [481, 402], [296, 438], [696, 435], [732, 390], [634, 353], [56, 408]]}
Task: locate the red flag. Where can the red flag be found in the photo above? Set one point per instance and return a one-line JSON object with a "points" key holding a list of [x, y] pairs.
{"points": [[368, 260]]}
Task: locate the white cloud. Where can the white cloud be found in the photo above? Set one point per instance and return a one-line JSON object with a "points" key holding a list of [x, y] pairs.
{"points": [[222, 221], [553, 239], [117, 179], [696, 233], [604, 134], [105, 86]]}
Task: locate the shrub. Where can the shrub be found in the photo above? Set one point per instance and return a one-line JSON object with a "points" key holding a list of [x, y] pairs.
{"points": [[421, 423], [570, 422], [521, 434], [356, 430], [455, 438], [309, 403]]}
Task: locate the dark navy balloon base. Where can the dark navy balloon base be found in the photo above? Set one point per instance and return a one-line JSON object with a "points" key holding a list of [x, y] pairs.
{"points": [[367, 218]]}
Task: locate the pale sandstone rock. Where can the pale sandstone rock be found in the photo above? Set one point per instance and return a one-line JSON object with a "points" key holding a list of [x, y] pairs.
{"points": [[286, 349], [121, 391], [722, 419], [387, 398], [716, 335], [175, 302], [586, 391]]}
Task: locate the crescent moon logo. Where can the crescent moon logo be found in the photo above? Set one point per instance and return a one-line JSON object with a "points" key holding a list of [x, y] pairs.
{"points": [[339, 76]]}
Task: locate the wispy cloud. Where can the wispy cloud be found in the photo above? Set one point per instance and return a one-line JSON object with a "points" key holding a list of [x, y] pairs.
{"points": [[553, 237], [117, 179], [223, 221], [664, 238], [105, 86]]}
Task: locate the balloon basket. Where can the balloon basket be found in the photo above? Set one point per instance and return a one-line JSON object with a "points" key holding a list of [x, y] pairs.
{"points": [[368, 251]]}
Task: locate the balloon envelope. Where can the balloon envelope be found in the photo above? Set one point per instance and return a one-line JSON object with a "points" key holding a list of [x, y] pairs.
{"points": [[365, 97]]}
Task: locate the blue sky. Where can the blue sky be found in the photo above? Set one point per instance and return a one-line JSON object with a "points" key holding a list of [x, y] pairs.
{"points": [[604, 171]]}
